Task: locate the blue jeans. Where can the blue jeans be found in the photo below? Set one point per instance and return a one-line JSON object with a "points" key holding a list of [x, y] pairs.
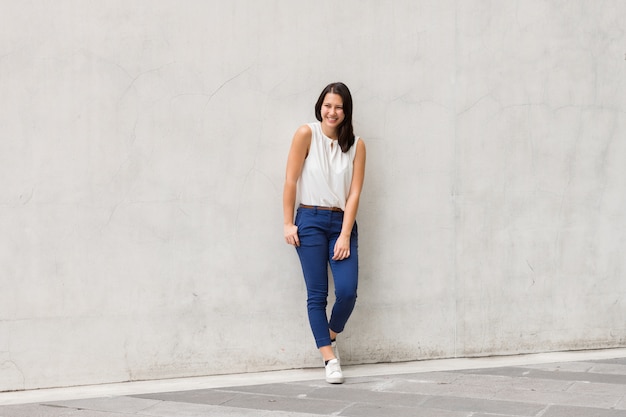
{"points": [[318, 231]]}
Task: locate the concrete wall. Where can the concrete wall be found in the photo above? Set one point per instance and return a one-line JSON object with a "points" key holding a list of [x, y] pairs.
{"points": [[142, 153]]}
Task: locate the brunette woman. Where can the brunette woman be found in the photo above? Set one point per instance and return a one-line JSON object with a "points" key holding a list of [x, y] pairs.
{"points": [[325, 171]]}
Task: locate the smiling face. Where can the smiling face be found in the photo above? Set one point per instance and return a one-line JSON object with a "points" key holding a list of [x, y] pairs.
{"points": [[332, 113]]}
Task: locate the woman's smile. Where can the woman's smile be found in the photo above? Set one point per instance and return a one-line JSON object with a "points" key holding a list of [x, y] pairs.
{"points": [[332, 110]]}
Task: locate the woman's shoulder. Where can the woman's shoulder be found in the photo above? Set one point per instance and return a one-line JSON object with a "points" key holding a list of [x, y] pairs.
{"points": [[313, 127], [306, 130], [358, 147], [303, 136], [359, 143]]}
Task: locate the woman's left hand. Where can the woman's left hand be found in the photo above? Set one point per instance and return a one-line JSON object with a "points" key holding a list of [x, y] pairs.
{"points": [[342, 248]]}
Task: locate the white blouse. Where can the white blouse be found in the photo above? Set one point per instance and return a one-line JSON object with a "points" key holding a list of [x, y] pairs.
{"points": [[327, 171]]}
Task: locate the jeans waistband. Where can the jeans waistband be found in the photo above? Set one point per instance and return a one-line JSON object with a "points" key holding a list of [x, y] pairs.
{"points": [[321, 208]]}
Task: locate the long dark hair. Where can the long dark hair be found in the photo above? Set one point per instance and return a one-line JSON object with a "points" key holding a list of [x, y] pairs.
{"points": [[345, 132]]}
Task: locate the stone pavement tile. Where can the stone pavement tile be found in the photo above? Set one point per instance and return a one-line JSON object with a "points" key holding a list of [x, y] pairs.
{"points": [[202, 396], [355, 395], [581, 376], [38, 410], [606, 368], [561, 398], [384, 382], [274, 397], [473, 379], [96, 413], [536, 384], [380, 382], [370, 410], [504, 371], [279, 403], [174, 409], [569, 411], [373, 383], [561, 366], [442, 377], [499, 383], [443, 389], [32, 410], [616, 361], [285, 397], [591, 366], [492, 384], [345, 392], [509, 408], [517, 372], [283, 389], [488, 415], [597, 388], [128, 405]]}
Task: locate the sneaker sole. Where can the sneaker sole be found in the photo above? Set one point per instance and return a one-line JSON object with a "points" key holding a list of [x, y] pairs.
{"points": [[335, 380]]}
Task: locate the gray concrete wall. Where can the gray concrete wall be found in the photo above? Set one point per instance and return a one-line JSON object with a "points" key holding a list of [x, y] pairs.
{"points": [[142, 153]]}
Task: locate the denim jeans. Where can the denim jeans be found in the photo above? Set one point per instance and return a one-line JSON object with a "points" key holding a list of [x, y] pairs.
{"points": [[318, 231]]}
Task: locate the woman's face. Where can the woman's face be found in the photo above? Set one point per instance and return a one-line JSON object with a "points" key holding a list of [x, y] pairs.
{"points": [[332, 110]]}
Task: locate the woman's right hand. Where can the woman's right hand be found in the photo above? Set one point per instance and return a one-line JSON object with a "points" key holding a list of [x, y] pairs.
{"points": [[291, 235]]}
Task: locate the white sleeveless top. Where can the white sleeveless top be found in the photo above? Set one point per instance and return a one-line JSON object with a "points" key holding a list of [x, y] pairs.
{"points": [[327, 171]]}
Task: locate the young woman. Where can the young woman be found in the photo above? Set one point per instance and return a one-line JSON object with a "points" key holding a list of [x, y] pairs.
{"points": [[325, 171]]}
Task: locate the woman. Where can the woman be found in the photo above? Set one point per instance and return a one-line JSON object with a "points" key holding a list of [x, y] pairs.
{"points": [[325, 171]]}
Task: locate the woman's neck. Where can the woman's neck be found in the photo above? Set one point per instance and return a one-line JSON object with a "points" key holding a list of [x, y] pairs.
{"points": [[329, 132]]}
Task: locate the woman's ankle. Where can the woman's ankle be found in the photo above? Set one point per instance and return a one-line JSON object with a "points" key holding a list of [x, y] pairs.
{"points": [[327, 353]]}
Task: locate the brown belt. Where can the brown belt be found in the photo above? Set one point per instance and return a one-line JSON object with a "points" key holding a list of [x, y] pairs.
{"points": [[321, 208]]}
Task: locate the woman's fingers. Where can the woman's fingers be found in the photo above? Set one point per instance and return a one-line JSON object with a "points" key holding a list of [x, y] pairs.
{"points": [[341, 253], [291, 235]]}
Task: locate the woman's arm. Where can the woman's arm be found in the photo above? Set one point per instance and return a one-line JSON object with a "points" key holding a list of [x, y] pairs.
{"points": [[342, 246], [295, 161]]}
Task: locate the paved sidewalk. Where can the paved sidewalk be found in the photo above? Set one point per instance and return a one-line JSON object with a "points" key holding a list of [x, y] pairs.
{"points": [[571, 384]]}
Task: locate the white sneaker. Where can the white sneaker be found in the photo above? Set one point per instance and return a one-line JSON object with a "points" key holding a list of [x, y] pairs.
{"points": [[333, 372]]}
